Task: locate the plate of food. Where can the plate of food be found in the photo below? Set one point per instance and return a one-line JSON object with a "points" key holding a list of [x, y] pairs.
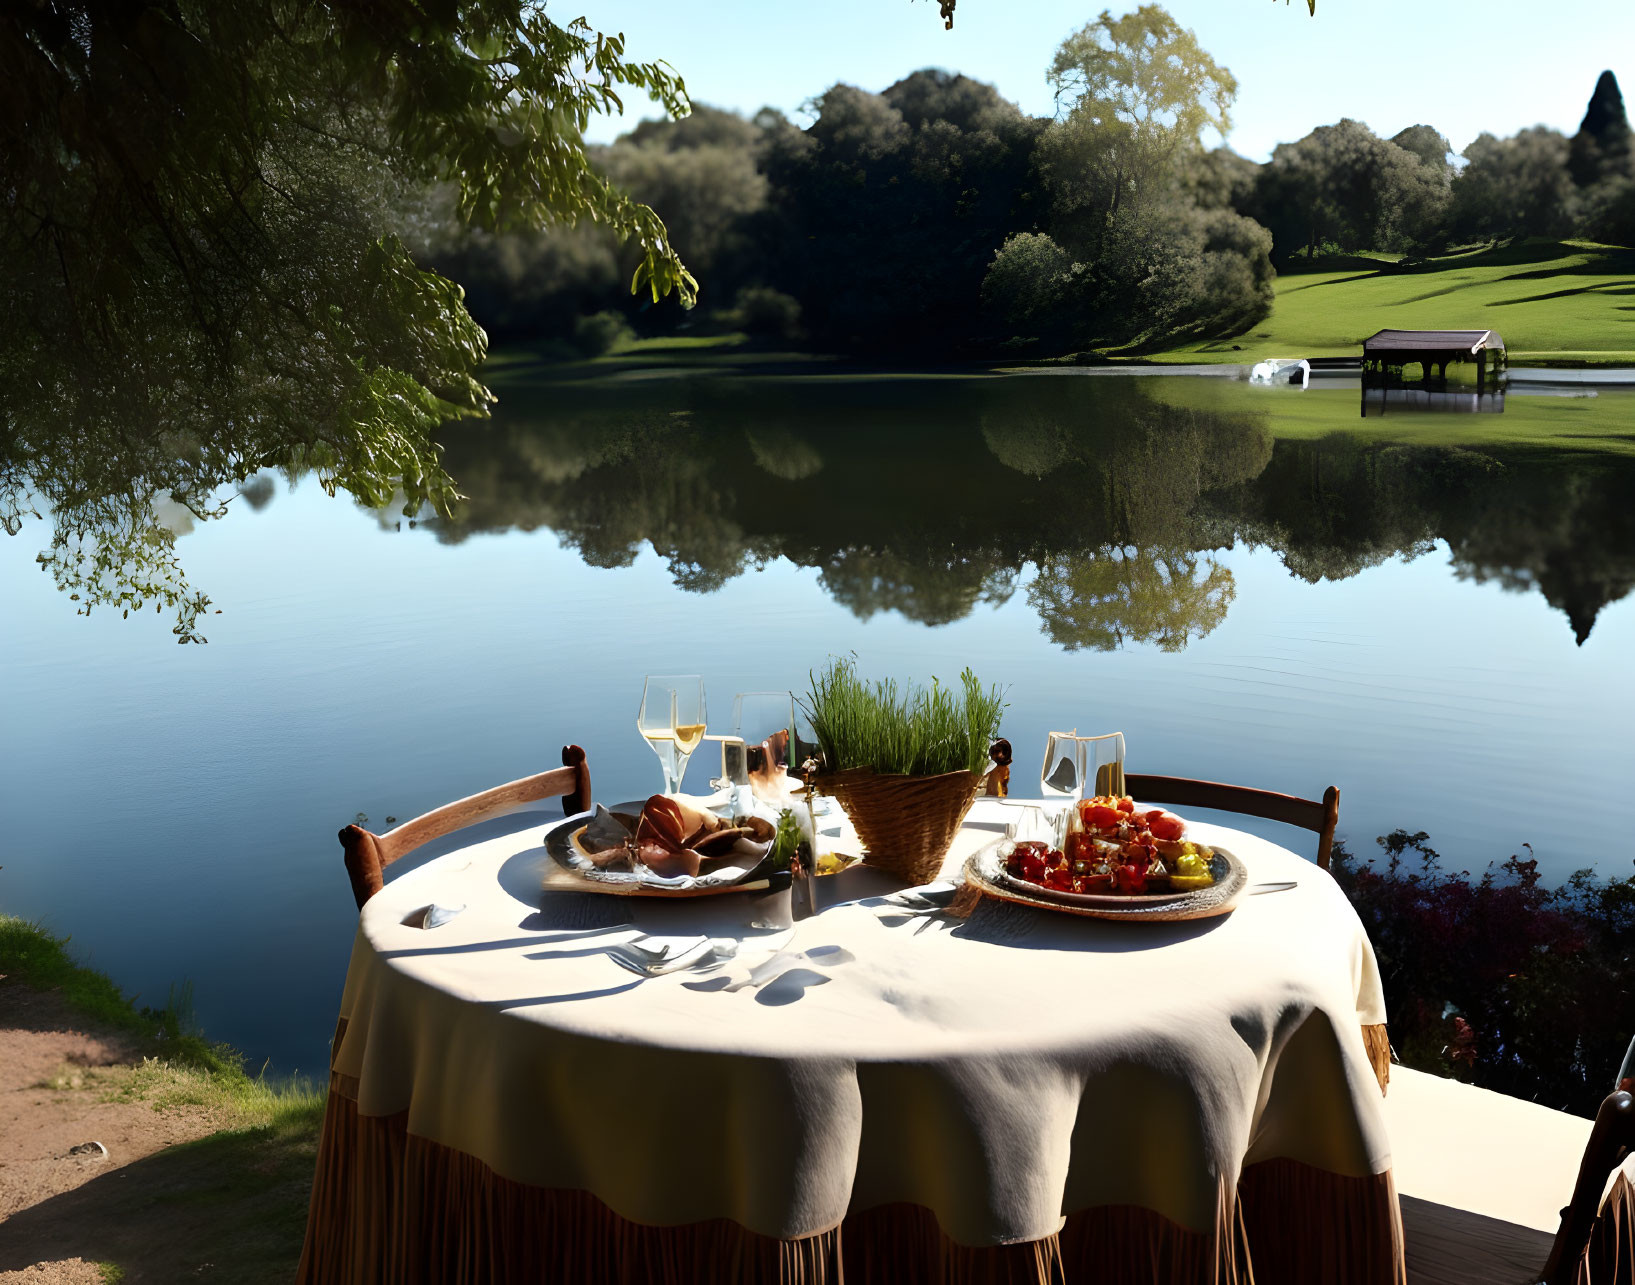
{"points": [[1115, 861], [666, 847]]}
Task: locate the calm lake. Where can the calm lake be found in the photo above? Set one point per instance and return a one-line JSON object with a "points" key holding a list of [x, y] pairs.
{"points": [[1432, 612]]}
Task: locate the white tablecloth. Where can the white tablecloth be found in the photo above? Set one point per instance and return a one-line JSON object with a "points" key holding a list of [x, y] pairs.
{"points": [[1001, 1071]]}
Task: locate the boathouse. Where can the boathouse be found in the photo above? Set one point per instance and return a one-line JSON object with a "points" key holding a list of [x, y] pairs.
{"points": [[1392, 351]]}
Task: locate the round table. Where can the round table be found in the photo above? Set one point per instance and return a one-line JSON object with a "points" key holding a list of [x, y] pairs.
{"points": [[892, 1094]]}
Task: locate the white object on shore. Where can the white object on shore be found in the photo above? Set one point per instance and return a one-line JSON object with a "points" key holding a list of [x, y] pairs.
{"points": [[1281, 370]]}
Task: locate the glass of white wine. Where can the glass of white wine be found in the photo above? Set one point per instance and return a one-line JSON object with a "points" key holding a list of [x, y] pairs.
{"points": [[672, 721]]}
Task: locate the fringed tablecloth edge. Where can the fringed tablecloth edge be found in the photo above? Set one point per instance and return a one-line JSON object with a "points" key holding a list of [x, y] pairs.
{"points": [[390, 1206]]}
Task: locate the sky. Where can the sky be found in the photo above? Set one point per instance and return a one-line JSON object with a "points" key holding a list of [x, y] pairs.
{"points": [[1498, 66]]}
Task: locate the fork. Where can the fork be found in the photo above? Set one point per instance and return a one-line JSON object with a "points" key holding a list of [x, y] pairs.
{"points": [[648, 961]]}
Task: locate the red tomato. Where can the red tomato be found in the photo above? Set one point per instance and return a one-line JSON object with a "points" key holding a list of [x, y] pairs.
{"points": [[1060, 880], [1098, 816], [1126, 805], [1033, 868], [1131, 879], [1166, 825], [1093, 883]]}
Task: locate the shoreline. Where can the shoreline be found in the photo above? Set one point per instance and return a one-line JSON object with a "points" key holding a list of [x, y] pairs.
{"points": [[130, 1151]]}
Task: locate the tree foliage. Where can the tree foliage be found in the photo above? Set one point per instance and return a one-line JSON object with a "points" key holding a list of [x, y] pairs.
{"points": [[884, 214], [1135, 250], [1514, 187], [1147, 74], [1344, 187], [1601, 148], [199, 248]]}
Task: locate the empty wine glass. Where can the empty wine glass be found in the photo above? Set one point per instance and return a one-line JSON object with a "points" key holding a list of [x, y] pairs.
{"points": [[671, 721], [1062, 776], [1104, 762]]}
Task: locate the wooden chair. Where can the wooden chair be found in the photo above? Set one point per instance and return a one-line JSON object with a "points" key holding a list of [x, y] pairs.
{"points": [[1602, 1233], [1185, 792], [1479, 1174], [368, 855]]}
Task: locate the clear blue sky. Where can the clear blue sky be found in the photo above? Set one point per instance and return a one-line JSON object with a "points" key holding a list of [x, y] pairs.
{"points": [[1496, 65]]}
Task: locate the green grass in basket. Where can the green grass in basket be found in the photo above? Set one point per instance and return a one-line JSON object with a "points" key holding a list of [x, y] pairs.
{"points": [[913, 731]]}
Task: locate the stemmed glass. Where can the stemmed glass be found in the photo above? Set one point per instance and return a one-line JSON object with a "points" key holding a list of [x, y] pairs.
{"points": [[1062, 776], [1072, 760], [762, 722], [672, 720], [1107, 767]]}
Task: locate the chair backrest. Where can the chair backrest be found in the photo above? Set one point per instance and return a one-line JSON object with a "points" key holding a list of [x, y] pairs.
{"points": [[368, 854], [1611, 1141], [1309, 814]]}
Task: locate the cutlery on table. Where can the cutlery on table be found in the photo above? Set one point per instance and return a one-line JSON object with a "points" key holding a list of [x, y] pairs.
{"points": [[654, 959], [1283, 886]]}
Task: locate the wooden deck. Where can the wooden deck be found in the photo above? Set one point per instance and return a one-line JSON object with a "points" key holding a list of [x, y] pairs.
{"points": [[1454, 1247], [1482, 1179]]}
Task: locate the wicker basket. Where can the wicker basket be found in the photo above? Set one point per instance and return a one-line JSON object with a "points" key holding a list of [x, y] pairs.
{"points": [[906, 823]]}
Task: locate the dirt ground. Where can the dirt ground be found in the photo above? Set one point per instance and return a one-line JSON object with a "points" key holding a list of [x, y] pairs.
{"points": [[52, 1182]]}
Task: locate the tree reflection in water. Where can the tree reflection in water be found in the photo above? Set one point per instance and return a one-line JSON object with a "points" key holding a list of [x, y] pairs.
{"points": [[1104, 503], [931, 498]]}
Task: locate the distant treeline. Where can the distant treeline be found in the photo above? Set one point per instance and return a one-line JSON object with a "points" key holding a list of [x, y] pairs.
{"points": [[935, 219]]}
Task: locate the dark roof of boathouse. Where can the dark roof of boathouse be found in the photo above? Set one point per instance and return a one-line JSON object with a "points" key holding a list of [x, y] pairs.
{"points": [[1467, 342]]}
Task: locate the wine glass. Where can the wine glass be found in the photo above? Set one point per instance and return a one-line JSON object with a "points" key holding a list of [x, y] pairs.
{"points": [[671, 721], [1104, 762], [1062, 776], [763, 722]]}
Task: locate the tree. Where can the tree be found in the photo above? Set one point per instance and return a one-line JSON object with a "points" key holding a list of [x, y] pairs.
{"points": [[884, 214], [1029, 283], [1426, 142], [1601, 148], [198, 246], [1515, 187], [700, 174], [1218, 179], [1343, 185], [1132, 255], [1137, 91]]}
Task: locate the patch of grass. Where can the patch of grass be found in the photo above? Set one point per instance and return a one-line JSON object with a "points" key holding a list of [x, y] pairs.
{"points": [[33, 956], [685, 343], [915, 731], [236, 1098], [1570, 301], [233, 1203]]}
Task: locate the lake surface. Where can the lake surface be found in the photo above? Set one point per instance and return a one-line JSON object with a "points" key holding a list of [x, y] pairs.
{"points": [[1431, 612]]}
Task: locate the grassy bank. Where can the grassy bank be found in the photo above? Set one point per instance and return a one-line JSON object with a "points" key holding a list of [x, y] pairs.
{"points": [[235, 1199], [1555, 302]]}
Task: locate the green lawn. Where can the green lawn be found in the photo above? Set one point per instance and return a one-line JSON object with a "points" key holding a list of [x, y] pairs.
{"points": [[1552, 301]]}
